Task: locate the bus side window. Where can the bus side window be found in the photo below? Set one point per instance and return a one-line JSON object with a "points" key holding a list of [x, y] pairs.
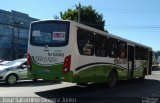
{"points": [[146, 54], [112, 48], [100, 45], [122, 49], [138, 52], [85, 42], [141, 53]]}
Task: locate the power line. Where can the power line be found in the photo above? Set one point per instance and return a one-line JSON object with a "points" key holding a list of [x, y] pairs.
{"points": [[135, 27], [136, 11]]}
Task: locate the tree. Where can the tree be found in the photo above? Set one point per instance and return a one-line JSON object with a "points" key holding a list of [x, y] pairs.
{"points": [[85, 15]]}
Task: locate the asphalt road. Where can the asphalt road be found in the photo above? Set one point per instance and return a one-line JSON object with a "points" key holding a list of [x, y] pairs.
{"points": [[132, 91]]}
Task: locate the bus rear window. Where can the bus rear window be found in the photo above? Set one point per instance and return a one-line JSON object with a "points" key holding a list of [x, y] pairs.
{"points": [[51, 33]]}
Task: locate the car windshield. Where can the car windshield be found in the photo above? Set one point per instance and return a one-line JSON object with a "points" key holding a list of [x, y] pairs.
{"points": [[15, 62]]}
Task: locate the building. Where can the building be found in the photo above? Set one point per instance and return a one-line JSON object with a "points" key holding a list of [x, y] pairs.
{"points": [[14, 30]]}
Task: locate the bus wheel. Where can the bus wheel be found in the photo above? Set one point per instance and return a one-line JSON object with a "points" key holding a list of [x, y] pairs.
{"points": [[34, 80], [112, 79]]}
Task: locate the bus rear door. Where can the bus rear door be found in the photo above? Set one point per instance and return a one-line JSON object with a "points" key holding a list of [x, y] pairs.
{"points": [[130, 61]]}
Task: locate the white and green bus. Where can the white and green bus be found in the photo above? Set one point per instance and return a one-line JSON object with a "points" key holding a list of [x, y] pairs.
{"points": [[72, 52]]}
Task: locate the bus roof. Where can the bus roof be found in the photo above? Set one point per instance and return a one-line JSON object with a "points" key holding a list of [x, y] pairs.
{"points": [[98, 31]]}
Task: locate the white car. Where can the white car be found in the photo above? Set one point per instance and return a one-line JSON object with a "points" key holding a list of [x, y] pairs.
{"points": [[13, 71], [3, 62]]}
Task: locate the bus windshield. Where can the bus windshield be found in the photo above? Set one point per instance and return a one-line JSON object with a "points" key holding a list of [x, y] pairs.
{"points": [[53, 34]]}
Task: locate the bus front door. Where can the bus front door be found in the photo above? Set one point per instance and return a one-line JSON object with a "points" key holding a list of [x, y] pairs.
{"points": [[130, 61]]}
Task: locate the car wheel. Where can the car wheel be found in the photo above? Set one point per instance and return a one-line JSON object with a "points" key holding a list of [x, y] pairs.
{"points": [[11, 79], [112, 79]]}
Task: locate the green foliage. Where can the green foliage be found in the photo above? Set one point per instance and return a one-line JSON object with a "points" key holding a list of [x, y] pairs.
{"points": [[88, 16]]}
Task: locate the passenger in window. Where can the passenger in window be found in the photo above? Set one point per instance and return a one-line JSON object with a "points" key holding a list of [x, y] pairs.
{"points": [[114, 50], [80, 46], [112, 53], [122, 53], [97, 50], [103, 50]]}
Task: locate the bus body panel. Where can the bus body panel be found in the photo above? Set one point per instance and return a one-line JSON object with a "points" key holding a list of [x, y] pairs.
{"points": [[47, 62], [83, 68]]}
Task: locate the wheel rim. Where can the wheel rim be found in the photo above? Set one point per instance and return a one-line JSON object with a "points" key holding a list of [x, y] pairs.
{"points": [[12, 79]]}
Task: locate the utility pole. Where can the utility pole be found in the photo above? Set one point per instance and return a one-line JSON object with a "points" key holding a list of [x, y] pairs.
{"points": [[79, 13]]}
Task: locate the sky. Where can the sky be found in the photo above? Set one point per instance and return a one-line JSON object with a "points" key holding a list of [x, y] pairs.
{"points": [[136, 20]]}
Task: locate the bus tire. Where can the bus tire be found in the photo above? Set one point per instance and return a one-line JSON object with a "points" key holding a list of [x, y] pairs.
{"points": [[35, 80], [82, 84], [112, 79]]}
